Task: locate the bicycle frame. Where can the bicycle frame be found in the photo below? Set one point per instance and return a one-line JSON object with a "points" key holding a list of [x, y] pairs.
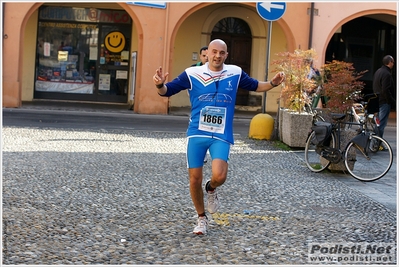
{"points": [[360, 139]]}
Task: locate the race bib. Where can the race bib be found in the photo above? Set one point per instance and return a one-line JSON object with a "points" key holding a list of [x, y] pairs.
{"points": [[212, 119]]}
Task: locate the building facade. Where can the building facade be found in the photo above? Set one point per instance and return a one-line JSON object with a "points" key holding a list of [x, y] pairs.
{"points": [[108, 52]]}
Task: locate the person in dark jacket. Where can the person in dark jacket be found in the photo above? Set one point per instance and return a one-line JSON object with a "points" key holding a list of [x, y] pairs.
{"points": [[203, 57], [384, 86]]}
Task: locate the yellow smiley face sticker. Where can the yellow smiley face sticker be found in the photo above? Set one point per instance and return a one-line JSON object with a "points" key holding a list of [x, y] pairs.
{"points": [[115, 42]]}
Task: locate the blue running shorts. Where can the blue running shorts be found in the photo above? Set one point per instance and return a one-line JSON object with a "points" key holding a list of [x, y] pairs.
{"points": [[197, 147]]}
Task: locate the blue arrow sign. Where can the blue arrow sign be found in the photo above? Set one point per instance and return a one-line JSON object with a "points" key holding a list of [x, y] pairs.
{"points": [[149, 4], [270, 11]]}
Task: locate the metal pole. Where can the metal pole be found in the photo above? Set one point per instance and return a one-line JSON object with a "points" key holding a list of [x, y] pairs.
{"points": [[311, 25], [267, 63]]}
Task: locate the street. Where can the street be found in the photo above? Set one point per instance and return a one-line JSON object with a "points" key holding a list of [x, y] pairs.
{"points": [[102, 120], [112, 188], [383, 190]]}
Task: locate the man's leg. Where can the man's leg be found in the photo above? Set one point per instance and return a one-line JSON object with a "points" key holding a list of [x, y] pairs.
{"points": [[196, 151], [219, 173], [383, 115], [219, 151], [197, 194]]}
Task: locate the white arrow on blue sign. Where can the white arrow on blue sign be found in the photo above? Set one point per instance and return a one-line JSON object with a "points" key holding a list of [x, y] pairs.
{"points": [[270, 11], [149, 4]]}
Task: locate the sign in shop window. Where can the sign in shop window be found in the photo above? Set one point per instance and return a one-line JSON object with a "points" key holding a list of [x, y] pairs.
{"points": [[62, 55], [83, 14], [104, 82], [121, 74]]}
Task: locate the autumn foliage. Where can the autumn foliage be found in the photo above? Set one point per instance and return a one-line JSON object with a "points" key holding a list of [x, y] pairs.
{"points": [[338, 79], [296, 67], [341, 85]]}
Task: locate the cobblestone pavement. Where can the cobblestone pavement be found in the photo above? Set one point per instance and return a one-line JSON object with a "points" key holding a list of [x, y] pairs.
{"points": [[73, 196]]}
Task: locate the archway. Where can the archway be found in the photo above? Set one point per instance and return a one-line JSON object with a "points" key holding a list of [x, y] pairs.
{"points": [[364, 41], [237, 35]]}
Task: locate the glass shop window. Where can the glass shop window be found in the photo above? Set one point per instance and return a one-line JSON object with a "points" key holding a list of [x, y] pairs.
{"points": [[66, 57]]}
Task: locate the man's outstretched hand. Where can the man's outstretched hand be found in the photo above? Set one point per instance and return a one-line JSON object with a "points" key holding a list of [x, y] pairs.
{"points": [[159, 78], [278, 78]]}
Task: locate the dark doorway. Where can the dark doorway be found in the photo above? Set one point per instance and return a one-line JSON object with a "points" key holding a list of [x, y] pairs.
{"points": [[364, 42], [237, 35]]}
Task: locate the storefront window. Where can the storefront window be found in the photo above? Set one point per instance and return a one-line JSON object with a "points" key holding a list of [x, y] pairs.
{"points": [[83, 51], [67, 53]]}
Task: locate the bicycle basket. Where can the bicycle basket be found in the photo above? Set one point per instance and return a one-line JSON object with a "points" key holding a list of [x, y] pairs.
{"points": [[322, 131]]}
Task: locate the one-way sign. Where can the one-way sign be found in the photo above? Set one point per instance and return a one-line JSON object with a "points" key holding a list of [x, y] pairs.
{"points": [[270, 11]]}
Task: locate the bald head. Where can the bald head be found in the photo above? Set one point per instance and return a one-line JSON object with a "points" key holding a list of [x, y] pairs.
{"points": [[217, 54], [218, 43]]}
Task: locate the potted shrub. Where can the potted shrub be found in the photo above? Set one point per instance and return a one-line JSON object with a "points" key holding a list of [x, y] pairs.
{"points": [[293, 122], [341, 85], [295, 88]]}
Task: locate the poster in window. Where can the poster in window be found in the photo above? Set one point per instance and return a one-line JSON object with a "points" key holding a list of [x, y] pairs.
{"points": [[104, 82], [93, 52], [46, 48], [69, 74], [125, 55], [121, 74], [62, 55]]}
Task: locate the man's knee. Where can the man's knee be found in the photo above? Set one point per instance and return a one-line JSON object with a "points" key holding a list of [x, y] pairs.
{"points": [[195, 175], [219, 171], [219, 177]]}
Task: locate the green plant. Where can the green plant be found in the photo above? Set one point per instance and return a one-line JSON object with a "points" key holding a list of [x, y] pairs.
{"points": [[296, 67], [341, 85], [281, 145]]}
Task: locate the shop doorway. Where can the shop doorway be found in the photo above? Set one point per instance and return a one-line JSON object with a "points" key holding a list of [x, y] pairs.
{"points": [[83, 56], [112, 63]]}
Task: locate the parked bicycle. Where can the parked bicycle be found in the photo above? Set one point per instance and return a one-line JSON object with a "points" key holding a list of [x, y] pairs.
{"points": [[361, 161]]}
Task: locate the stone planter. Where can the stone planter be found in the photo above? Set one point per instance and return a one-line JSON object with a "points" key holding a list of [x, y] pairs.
{"points": [[346, 136], [294, 127]]}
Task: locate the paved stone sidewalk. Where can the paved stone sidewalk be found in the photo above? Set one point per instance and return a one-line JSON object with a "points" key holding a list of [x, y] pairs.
{"points": [[74, 196]]}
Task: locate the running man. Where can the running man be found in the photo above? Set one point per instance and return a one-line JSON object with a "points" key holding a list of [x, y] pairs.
{"points": [[212, 89]]}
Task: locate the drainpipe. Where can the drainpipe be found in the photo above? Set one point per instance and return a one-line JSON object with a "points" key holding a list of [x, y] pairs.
{"points": [[166, 51], [311, 25]]}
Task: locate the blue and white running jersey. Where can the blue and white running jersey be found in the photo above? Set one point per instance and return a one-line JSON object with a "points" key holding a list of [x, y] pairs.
{"points": [[212, 98]]}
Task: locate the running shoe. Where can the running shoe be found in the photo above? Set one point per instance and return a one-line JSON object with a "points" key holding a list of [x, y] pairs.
{"points": [[213, 201], [202, 226]]}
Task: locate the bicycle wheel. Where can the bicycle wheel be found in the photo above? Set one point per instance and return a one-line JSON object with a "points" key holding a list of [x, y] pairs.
{"points": [[368, 166], [314, 161]]}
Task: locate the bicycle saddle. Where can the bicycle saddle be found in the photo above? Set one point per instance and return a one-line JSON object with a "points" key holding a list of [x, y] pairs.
{"points": [[338, 116]]}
